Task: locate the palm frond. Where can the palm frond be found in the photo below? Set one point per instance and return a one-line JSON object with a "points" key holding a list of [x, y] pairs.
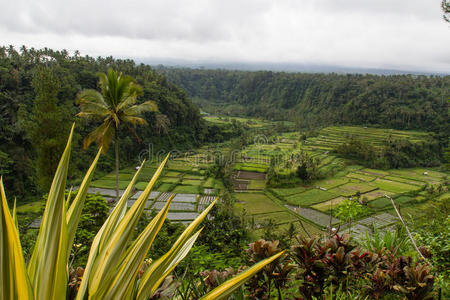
{"points": [[107, 137], [90, 96], [147, 106], [127, 102], [102, 135], [105, 88], [93, 109], [134, 120]]}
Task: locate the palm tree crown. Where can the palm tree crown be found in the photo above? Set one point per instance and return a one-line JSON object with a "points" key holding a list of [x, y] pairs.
{"points": [[116, 104]]}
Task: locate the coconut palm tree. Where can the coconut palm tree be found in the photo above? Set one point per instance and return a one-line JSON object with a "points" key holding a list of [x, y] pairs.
{"points": [[116, 106]]}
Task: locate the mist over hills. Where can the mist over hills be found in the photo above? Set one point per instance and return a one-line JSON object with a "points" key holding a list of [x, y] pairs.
{"points": [[282, 67]]}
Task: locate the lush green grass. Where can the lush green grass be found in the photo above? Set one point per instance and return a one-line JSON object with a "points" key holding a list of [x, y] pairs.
{"points": [[375, 172], [122, 177], [405, 180], [187, 189], [444, 196], [250, 122], [31, 207], [403, 200], [127, 170], [375, 194], [430, 173], [191, 182], [384, 202], [165, 187], [209, 183], [331, 183], [277, 217], [353, 188], [310, 197], [257, 184], [361, 176], [169, 179], [109, 184], [417, 174], [283, 192], [394, 186], [257, 203], [191, 176], [219, 185], [178, 166], [173, 174], [327, 205], [251, 167]]}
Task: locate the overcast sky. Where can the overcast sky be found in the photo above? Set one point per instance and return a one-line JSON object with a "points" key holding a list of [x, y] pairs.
{"points": [[397, 34]]}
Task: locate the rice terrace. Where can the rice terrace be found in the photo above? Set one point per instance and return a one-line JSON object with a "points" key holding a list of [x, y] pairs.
{"points": [[311, 206]]}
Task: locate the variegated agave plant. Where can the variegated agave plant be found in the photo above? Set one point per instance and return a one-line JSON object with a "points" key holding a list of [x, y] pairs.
{"points": [[114, 259]]}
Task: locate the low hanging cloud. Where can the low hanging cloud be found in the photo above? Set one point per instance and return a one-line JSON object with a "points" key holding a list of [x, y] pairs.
{"points": [[401, 34]]}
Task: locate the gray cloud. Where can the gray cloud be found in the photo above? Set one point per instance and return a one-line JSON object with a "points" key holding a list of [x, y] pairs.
{"points": [[407, 34]]}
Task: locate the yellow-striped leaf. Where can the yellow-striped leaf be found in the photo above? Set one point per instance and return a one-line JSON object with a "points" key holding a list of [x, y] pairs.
{"points": [[74, 212], [105, 233], [14, 215], [47, 268], [124, 282], [229, 286], [107, 264], [14, 281], [159, 269]]}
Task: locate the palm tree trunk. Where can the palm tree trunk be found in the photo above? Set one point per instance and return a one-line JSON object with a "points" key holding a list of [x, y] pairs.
{"points": [[116, 144]]}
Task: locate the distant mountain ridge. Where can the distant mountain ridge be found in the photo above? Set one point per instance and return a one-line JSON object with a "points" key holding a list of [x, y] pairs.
{"points": [[311, 99], [284, 67]]}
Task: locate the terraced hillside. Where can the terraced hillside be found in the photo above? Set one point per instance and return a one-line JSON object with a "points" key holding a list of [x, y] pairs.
{"points": [[331, 137], [315, 204], [310, 208], [183, 176]]}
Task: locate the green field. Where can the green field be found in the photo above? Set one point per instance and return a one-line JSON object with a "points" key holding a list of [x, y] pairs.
{"points": [[257, 184], [310, 197], [209, 183], [280, 217], [187, 189], [191, 182], [394, 186], [109, 184], [361, 176], [384, 202], [169, 179], [331, 183], [340, 178], [173, 174], [289, 191], [328, 205], [350, 189], [257, 203]]}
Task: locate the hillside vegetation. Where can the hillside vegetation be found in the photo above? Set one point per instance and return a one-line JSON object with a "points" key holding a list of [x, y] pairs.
{"points": [[397, 101], [38, 89]]}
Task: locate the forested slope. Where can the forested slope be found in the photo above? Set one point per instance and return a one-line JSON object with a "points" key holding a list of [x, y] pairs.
{"points": [[37, 107], [397, 101]]}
